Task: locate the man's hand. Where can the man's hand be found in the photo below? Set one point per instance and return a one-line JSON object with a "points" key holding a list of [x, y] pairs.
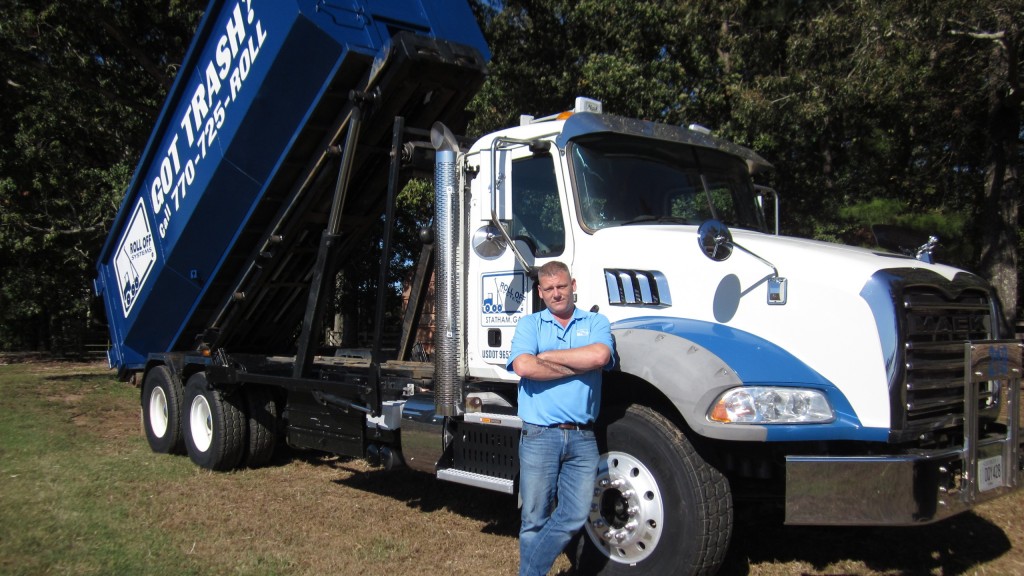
{"points": [[554, 364], [583, 359]]}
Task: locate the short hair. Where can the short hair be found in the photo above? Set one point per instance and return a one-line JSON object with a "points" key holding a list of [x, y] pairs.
{"points": [[553, 268]]}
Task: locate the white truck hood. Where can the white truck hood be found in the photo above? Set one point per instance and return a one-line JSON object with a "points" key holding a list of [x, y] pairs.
{"points": [[828, 306]]}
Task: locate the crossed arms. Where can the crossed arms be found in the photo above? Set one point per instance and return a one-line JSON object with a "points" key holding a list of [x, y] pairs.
{"points": [[554, 364]]}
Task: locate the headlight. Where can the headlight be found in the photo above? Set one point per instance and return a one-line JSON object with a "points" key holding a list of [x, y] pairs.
{"points": [[771, 405]]}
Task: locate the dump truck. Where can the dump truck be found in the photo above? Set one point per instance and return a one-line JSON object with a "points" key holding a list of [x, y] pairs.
{"points": [[847, 386]]}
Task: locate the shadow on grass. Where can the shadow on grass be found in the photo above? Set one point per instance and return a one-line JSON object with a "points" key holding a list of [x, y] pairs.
{"points": [[760, 543], [950, 547], [425, 492]]}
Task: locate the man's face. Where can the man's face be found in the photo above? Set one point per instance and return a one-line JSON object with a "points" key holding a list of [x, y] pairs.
{"points": [[556, 292]]}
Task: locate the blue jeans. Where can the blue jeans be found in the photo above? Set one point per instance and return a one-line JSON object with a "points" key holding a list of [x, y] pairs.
{"points": [[557, 469]]}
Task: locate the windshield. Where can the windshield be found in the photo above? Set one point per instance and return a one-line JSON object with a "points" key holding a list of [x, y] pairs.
{"points": [[622, 180]]}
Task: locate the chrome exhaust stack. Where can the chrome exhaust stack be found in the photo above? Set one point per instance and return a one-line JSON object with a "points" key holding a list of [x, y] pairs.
{"points": [[447, 280]]}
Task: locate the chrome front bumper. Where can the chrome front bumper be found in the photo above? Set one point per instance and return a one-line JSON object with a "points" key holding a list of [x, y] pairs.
{"points": [[926, 487]]}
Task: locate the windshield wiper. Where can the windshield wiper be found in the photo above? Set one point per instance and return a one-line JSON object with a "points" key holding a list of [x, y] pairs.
{"points": [[646, 218]]}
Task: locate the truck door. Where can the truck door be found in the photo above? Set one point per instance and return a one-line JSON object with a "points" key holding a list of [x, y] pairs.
{"points": [[533, 213]]}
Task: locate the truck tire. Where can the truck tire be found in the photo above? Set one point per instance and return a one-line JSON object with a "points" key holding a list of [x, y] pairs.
{"points": [[213, 424], [161, 411], [658, 507], [261, 413]]}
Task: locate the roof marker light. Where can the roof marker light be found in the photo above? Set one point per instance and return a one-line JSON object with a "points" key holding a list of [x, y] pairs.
{"points": [[582, 104]]}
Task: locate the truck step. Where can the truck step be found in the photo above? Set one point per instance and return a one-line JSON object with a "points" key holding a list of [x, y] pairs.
{"points": [[478, 480]]}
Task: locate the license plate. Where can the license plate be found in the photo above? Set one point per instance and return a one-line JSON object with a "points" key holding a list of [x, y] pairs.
{"points": [[990, 473]]}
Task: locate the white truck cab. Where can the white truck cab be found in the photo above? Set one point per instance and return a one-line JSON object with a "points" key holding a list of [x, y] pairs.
{"points": [[832, 374]]}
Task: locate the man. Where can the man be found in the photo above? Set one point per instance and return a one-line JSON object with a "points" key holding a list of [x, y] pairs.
{"points": [[559, 354]]}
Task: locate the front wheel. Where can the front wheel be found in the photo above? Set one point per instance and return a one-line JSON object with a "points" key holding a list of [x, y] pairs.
{"points": [[658, 507], [214, 425]]}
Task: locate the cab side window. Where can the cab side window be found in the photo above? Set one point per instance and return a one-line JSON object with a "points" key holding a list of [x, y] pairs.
{"points": [[536, 210]]}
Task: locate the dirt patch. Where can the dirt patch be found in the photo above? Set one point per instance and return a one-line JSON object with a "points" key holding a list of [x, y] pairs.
{"points": [[109, 424], [77, 391], [313, 513]]}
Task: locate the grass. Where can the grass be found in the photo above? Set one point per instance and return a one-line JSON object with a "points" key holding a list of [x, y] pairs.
{"points": [[82, 494], [65, 474]]}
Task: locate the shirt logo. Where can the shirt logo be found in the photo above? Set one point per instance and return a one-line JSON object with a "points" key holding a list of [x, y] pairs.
{"points": [[582, 332]]}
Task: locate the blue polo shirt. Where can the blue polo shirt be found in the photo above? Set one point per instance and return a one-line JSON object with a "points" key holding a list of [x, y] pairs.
{"points": [[570, 399]]}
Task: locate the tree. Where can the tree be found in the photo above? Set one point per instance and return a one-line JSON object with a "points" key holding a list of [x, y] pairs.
{"points": [[82, 83], [854, 102], [915, 107], [996, 42], [548, 52]]}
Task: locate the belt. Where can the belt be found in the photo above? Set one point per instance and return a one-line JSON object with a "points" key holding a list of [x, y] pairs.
{"points": [[571, 426]]}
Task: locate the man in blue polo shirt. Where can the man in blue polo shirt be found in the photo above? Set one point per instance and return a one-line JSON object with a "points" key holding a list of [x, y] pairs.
{"points": [[559, 354]]}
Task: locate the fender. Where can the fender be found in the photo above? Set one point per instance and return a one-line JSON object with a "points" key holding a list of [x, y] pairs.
{"points": [[693, 362]]}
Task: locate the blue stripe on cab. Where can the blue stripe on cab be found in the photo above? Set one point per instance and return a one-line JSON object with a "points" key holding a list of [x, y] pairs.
{"points": [[759, 362]]}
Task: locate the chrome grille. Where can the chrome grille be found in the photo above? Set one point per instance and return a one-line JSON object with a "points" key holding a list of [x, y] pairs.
{"points": [[935, 329], [637, 287]]}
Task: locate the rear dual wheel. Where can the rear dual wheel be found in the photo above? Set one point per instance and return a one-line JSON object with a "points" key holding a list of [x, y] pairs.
{"points": [[218, 431], [161, 411], [214, 425], [261, 412]]}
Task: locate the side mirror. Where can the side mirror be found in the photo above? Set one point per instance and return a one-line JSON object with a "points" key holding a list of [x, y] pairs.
{"points": [[488, 242], [499, 184], [715, 240]]}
